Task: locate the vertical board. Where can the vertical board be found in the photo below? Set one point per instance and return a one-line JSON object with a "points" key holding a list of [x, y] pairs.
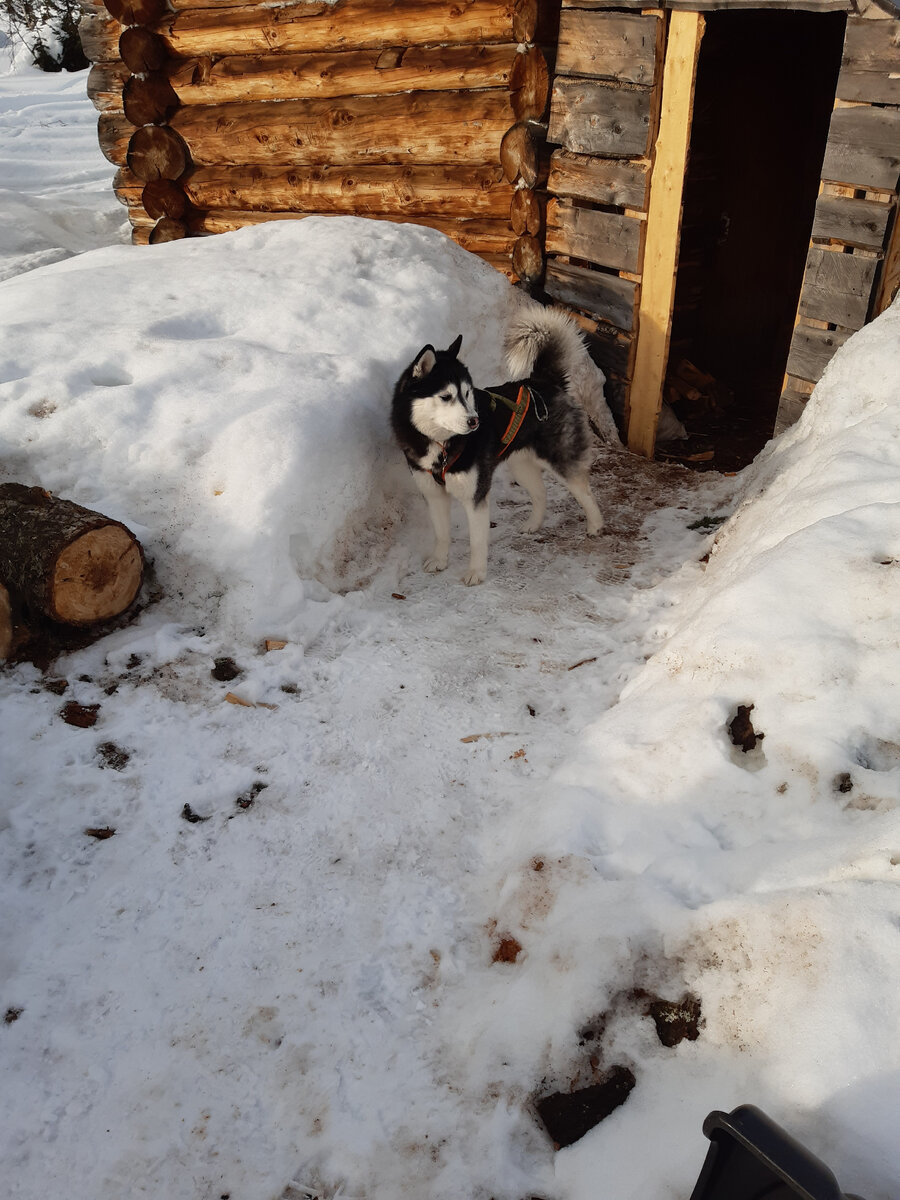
{"points": [[663, 229]]}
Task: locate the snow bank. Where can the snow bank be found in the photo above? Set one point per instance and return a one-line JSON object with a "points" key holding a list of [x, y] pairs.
{"points": [[229, 398], [763, 882]]}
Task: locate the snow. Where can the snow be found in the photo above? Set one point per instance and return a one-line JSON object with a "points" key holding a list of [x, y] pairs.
{"points": [[295, 994]]}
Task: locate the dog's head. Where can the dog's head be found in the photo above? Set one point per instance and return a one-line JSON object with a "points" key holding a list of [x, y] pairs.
{"points": [[439, 391]]}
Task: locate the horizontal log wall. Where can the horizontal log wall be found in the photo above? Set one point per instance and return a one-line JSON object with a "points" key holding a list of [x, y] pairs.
{"points": [[853, 265], [223, 114], [604, 112]]}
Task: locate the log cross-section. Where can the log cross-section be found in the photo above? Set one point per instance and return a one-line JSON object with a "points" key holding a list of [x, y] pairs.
{"points": [[64, 561]]}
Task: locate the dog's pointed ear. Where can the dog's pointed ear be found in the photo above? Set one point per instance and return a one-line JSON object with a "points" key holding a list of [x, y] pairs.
{"points": [[453, 349], [424, 362]]}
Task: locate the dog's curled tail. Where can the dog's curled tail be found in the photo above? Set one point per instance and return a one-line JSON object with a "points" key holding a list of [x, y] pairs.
{"points": [[539, 339]]}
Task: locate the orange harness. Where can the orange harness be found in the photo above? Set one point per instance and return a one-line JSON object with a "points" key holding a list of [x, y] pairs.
{"points": [[519, 412]]}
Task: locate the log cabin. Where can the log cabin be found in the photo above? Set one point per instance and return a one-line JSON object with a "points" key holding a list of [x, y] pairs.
{"points": [[710, 186]]}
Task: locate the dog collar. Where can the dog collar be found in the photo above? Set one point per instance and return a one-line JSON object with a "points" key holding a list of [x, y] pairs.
{"points": [[445, 461]]}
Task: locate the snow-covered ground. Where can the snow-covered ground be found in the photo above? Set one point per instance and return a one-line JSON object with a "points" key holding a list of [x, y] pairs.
{"points": [[383, 941]]}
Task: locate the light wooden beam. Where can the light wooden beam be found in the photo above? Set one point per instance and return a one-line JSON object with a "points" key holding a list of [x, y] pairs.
{"points": [[663, 229]]}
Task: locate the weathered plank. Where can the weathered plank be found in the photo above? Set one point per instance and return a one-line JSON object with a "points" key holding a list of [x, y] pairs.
{"points": [[409, 191], [414, 127], [614, 181], [605, 45], [812, 350], [591, 117], [790, 408], [608, 239], [870, 70], [605, 297], [837, 287], [864, 148], [347, 25], [663, 231], [851, 221]]}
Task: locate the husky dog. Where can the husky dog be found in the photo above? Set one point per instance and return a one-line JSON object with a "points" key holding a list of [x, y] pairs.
{"points": [[455, 435]]}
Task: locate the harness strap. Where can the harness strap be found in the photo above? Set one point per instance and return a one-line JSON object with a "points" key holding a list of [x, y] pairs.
{"points": [[444, 462], [519, 411]]}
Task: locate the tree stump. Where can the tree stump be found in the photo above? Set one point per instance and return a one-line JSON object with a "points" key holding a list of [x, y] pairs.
{"points": [[63, 561]]}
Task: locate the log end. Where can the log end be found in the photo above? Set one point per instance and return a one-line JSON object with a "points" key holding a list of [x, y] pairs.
{"points": [[97, 576]]}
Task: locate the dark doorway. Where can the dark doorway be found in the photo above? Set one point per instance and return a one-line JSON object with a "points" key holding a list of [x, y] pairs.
{"points": [[764, 96]]}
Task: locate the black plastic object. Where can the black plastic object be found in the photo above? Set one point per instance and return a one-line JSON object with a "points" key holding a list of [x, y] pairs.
{"points": [[752, 1158]]}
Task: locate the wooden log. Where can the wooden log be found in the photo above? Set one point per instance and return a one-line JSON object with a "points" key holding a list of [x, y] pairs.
{"points": [[615, 181], [419, 127], [522, 154], [149, 99], [608, 239], [863, 148], [64, 561], [347, 25], [329, 74], [142, 50], [478, 236], [114, 131], [157, 152], [528, 258], [850, 221], [606, 45], [527, 212], [837, 288], [407, 190], [604, 296], [167, 230], [136, 12], [663, 231], [592, 117], [870, 70], [164, 198], [720, 5], [104, 85], [99, 34], [529, 84]]}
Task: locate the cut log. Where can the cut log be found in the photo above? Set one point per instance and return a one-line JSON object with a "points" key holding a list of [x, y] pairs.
{"points": [[167, 230], [115, 132], [136, 12], [329, 73], [418, 127], [528, 258], [408, 191], [346, 25], [104, 85], [526, 213], [529, 85], [163, 198], [64, 561], [99, 34], [520, 154], [141, 50], [149, 99], [157, 152]]}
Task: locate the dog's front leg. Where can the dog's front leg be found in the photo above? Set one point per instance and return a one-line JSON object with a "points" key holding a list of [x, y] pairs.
{"points": [[439, 508], [479, 516]]}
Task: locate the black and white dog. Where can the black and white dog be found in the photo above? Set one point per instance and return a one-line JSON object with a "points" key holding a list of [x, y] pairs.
{"points": [[455, 435]]}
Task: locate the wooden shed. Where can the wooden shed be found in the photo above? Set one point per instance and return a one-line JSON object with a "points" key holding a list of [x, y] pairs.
{"points": [[710, 184]]}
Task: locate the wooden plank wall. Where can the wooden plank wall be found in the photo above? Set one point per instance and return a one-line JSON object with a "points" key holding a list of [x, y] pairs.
{"points": [[225, 113], [603, 118], [853, 266]]}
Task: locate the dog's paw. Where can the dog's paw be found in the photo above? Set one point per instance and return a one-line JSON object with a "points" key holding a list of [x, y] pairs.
{"points": [[434, 563], [473, 577], [595, 528], [531, 526]]}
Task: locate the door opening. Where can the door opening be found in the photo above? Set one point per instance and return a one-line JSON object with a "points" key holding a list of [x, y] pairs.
{"points": [[764, 95]]}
